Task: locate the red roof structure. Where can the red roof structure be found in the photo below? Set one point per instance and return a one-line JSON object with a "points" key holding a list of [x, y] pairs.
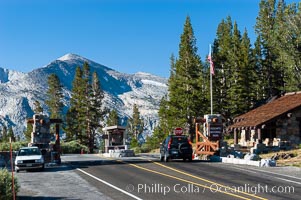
{"points": [[268, 112]]}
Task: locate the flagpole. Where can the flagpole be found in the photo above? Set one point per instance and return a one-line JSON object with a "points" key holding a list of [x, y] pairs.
{"points": [[211, 94]]}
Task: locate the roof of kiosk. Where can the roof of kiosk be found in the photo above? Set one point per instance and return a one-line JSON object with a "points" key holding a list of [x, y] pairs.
{"points": [[111, 128]]}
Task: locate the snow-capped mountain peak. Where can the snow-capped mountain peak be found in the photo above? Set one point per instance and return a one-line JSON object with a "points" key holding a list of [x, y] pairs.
{"points": [[19, 91], [72, 56]]}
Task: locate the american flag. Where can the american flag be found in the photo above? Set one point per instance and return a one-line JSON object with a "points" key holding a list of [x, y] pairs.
{"points": [[211, 63]]}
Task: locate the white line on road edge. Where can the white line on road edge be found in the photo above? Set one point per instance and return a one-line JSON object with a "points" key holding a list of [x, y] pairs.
{"points": [[278, 174], [288, 180], [272, 173], [109, 184]]}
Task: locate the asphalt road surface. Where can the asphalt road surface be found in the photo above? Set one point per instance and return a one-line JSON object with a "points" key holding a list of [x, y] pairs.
{"points": [[145, 177]]}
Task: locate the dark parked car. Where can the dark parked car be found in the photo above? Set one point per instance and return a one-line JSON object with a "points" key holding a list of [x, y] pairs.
{"points": [[176, 147]]}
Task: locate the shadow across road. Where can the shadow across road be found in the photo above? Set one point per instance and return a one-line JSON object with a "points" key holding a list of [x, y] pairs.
{"points": [[42, 198]]}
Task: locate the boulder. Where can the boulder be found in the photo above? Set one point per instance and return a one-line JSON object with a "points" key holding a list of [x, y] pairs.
{"points": [[267, 163]]}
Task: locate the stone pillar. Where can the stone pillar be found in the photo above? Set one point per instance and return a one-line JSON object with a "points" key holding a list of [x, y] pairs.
{"points": [[243, 137], [253, 136], [259, 135], [235, 136]]}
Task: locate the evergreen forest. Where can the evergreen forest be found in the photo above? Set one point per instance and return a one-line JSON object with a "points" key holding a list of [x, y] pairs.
{"points": [[246, 75]]}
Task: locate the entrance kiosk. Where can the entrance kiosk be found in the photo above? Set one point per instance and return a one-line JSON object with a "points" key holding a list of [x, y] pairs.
{"points": [[114, 138]]}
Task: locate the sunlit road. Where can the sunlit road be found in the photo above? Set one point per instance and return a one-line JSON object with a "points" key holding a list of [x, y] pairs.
{"points": [[145, 177]]}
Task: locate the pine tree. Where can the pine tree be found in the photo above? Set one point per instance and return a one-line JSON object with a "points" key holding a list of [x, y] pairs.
{"points": [[86, 111], [223, 66], [72, 126], [167, 112], [135, 124], [289, 41], [164, 118], [258, 64], [250, 76], [237, 95], [113, 118], [185, 90], [28, 132], [243, 76], [157, 137], [265, 27], [96, 110], [4, 134], [37, 107], [75, 119], [54, 96], [87, 106], [11, 135], [235, 79]]}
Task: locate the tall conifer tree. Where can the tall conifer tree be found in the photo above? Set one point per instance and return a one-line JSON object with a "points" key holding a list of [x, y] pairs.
{"points": [[113, 118], [37, 107], [185, 90], [223, 66], [96, 110], [236, 76], [86, 111], [135, 123], [75, 118], [55, 96], [265, 27]]}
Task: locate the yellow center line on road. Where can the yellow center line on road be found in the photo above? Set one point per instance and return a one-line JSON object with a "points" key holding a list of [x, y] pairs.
{"points": [[191, 182], [187, 181], [208, 181]]}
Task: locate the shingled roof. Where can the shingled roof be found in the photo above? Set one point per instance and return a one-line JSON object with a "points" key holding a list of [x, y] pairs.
{"points": [[268, 112]]}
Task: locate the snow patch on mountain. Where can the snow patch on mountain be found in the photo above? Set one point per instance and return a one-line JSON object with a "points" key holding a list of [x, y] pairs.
{"points": [[19, 91], [8, 75], [155, 83], [71, 56]]}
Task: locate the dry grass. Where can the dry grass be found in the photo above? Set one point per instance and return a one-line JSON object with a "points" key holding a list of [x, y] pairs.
{"points": [[229, 141], [155, 150], [293, 161]]}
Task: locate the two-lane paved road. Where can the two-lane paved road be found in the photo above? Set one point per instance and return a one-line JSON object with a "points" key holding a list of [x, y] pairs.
{"points": [[145, 177]]}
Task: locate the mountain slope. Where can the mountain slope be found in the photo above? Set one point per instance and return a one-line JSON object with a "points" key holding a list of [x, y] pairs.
{"points": [[19, 91]]}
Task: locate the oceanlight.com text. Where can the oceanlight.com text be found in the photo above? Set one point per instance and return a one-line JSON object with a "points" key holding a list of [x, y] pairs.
{"points": [[157, 188]]}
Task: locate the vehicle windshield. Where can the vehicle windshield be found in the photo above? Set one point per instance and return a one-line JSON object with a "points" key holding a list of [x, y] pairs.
{"points": [[29, 152], [179, 140]]}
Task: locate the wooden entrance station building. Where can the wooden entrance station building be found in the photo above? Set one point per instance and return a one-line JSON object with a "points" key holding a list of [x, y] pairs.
{"points": [[275, 122]]}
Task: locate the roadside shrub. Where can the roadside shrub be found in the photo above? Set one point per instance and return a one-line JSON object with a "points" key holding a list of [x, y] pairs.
{"points": [[6, 185], [17, 145], [5, 146], [146, 147], [134, 143], [73, 147], [299, 146], [136, 150]]}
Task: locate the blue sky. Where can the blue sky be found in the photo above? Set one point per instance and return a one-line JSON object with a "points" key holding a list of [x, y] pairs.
{"points": [[126, 35]]}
